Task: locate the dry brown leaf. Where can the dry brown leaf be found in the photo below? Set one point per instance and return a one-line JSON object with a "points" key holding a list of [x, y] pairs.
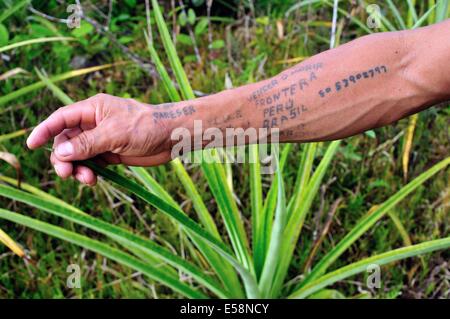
{"points": [[12, 160]]}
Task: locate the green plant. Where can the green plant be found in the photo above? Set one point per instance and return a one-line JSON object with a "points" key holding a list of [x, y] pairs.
{"points": [[277, 219]]}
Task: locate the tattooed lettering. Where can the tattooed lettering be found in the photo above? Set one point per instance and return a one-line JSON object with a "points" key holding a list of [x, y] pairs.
{"points": [[301, 68], [352, 79], [302, 83], [295, 132], [226, 118], [286, 91], [173, 114], [274, 98], [279, 114], [266, 87]]}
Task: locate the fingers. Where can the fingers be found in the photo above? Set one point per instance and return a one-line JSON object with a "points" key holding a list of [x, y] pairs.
{"points": [[84, 145], [80, 114], [63, 169], [85, 175]]}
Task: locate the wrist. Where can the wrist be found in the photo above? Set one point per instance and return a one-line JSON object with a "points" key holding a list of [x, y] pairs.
{"points": [[169, 118], [197, 118]]}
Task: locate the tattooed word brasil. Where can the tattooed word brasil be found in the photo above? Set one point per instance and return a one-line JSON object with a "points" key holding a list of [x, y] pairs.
{"points": [[281, 113], [345, 83]]}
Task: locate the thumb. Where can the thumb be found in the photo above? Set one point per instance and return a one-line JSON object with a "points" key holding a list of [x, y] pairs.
{"points": [[85, 145]]}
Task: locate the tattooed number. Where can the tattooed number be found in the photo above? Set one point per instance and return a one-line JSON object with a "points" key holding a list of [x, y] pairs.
{"points": [[354, 78]]}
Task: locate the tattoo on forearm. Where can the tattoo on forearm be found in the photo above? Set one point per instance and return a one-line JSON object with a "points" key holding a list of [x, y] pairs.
{"points": [[173, 113], [352, 79], [263, 89], [303, 82], [226, 119], [301, 68], [279, 114], [279, 100], [285, 92]]}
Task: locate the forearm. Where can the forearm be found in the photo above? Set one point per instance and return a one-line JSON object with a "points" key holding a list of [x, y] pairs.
{"points": [[366, 83]]}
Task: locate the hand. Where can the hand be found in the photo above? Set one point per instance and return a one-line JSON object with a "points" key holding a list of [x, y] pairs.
{"points": [[108, 129]]}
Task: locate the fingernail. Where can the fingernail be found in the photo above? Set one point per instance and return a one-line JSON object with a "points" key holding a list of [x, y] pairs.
{"points": [[64, 149]]}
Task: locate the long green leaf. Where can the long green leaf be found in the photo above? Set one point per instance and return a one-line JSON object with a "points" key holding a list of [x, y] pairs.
{"points": [[57, 92], [61, 77], [397, 15], [6, 240], [176, 164], [274, 253], [152, 185], [9, 136], [10, 11], [369, 220], [269, 207], [303, 176], [442, 10], [227, 276], [218, 263], [361, 266], [295, 222], [412, 13], [424, 17], [220, 266], [185, 222], [168, 85], [104, 250], [215, 175], [40, 193], [34, 41], [112, 231], [256, 203], [174, 61]]}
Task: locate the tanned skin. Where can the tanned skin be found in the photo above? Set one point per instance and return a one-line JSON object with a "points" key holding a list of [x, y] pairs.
{"points": [[367, 83]]}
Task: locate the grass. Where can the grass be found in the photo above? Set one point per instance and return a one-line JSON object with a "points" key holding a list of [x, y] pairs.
{"points": [[218, 240]]}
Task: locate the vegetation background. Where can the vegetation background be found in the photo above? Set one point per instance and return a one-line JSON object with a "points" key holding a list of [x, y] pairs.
{"points": [[221, 43]]}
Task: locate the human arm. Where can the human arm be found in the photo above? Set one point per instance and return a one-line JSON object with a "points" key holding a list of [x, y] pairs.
{"points": [[366, 83]]}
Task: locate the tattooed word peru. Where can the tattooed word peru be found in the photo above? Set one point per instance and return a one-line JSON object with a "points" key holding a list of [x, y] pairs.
{"points": [[353, 79], [278, 114]]}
